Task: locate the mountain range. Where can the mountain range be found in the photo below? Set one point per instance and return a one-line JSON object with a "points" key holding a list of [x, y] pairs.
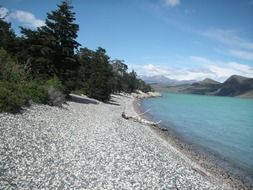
{"points": [[235, 85]]}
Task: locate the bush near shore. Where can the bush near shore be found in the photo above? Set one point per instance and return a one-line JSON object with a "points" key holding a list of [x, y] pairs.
{"points": [[46, 64]]}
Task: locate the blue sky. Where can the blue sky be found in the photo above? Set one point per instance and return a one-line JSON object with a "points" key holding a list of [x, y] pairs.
{"points": [[180, 39]]}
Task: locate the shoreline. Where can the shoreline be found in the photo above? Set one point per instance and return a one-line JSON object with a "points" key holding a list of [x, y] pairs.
{"points": [[207, 160]]}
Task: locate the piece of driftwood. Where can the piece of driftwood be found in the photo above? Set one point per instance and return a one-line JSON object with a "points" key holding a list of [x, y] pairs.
{"points": [[199, 171], [140, 120]]}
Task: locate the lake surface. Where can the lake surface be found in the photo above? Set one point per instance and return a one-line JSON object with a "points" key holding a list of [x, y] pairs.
{"points": [[223, 125]]}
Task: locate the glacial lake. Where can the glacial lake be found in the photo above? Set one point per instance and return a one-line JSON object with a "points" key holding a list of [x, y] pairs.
{"points": [[223, 125]]}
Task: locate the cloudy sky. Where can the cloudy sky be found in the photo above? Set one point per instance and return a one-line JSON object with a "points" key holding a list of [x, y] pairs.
{"points": [[180, 39]]}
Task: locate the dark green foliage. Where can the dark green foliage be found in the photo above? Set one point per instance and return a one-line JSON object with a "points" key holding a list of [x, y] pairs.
{"points": [[16, 91], [12, 97], [55, 82], [119, 74], [96, 73], [10, 71], [35, 92], [132, 84], [35, 55], [8, 39], [144, 87], [98, 79], [15, 95], [60, 31], [50, 50], [124, 81]]}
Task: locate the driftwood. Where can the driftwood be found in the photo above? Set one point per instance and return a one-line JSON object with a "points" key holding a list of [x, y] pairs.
{"points": [[140, 120], [199, 171]]}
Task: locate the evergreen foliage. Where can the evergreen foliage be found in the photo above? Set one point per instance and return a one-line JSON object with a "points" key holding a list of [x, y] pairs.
{"points": [[124, 81], [8, 40], [50, 50], [60, 33], [17, 91], [119, 74], [96, 73]]}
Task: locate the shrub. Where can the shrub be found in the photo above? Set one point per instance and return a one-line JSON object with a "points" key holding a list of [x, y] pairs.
{"points": [[9, 71], [35, 92], [55, 82], [55, 97], [54, 89], [12, 97]]}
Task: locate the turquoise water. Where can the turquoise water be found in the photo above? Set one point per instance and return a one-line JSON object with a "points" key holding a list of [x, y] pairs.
{"points": [[223, 125]]}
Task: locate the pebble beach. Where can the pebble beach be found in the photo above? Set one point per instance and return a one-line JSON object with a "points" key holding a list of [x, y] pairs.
{"points": [[88, 145]]}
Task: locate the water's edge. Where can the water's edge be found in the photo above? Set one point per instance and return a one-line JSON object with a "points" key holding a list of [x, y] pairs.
{"points": [[211, 162]]}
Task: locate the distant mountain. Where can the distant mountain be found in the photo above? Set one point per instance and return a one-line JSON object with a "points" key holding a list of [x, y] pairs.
{"points": [[207, 81], [234, 86], [160, 79]]}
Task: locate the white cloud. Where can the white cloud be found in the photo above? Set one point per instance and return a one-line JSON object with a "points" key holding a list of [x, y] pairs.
{"points": [[228, 37], [172, 72], [209, 69], [3, 12], [26, 18], [172, 3], [246, 69], [154, 70], [234, 45], [226, 70], [247, 55]]}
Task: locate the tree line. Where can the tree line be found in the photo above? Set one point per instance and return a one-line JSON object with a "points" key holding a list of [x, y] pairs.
{"points": [[47, 63]]}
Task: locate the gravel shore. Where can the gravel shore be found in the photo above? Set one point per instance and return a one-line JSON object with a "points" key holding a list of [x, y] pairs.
{"points": [[88, 145]]}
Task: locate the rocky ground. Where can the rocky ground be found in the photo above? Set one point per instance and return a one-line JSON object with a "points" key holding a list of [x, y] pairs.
{"points": [[88, 145]]}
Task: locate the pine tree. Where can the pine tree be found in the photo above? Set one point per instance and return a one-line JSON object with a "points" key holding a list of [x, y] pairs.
{"points": [[35, 55], [60, 32], [119, 71], [50, 50], [132, 81], [96, 73], [8, 39]]}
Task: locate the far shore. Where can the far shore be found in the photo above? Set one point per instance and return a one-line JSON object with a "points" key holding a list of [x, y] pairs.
{"points": [[206, 159]]}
